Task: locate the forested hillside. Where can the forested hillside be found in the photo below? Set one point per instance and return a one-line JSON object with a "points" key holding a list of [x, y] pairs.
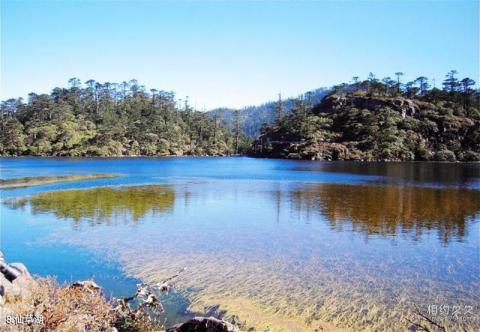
{"points": [[250, 119], [109, 120], [364, 120], [380, 120]]}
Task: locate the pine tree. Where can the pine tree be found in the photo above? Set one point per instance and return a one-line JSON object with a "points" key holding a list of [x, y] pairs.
{"points": [[279, 108], [451, 84]]}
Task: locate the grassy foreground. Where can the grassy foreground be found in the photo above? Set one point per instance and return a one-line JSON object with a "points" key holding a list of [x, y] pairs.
{"points": [[39, 180], [37, 304], [77, 307]]}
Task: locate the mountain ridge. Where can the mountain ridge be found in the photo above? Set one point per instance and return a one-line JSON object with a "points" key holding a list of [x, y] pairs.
{"points": [[254, 116]]}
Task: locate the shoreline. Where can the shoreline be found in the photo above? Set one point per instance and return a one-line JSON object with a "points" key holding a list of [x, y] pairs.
{"points": [[41, 180], [241, 156], [27, 300]]}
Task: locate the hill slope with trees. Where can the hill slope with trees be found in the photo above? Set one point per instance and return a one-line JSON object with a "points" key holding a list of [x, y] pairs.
{"points": [[363, 120], [250, 119], [109, 120], [380, 120]]}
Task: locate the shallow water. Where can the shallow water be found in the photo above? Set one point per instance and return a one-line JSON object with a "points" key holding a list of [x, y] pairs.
{"points": [[290, 245]]}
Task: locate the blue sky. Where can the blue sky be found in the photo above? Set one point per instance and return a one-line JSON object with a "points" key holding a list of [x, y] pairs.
{"points": [[233, 53]]}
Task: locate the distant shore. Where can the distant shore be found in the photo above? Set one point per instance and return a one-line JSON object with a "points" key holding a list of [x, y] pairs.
{"points": [[246, 155]]}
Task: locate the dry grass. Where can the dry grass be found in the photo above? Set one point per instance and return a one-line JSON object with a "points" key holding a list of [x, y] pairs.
{"points": [[82, 307], [63, 308]]}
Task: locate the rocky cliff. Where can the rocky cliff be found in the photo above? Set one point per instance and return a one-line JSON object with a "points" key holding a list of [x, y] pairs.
{"points": [[358, 126]]}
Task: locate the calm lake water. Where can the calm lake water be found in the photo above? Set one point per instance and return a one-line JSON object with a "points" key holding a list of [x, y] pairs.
{"points": [[292, 245]]}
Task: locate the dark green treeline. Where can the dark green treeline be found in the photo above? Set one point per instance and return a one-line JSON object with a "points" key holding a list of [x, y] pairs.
{"points": [[109, 120], [362, 120]]}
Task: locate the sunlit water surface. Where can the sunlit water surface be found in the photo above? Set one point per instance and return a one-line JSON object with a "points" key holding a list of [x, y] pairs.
{"points": [[282, 244]]}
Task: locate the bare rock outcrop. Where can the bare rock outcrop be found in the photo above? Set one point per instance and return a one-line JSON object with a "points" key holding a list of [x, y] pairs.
{"points": [[204, 324], [406, 107]]}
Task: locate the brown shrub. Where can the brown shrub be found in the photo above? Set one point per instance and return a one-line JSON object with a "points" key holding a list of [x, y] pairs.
{"points": [[62, 308]]}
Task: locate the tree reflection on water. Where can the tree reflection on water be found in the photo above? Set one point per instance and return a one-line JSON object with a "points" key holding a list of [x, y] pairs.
{"points": [[101, 205], [389, 210]]}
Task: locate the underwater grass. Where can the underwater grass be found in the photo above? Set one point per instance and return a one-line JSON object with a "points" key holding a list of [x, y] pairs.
{"points": [[409, 249]]}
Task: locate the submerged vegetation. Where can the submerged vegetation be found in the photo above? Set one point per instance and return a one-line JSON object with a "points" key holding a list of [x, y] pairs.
{"points": [[39, 180], [380, 120], [270, 279]]}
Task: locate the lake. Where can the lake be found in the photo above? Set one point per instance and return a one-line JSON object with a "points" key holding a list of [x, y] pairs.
{"points": [[292, 245]]}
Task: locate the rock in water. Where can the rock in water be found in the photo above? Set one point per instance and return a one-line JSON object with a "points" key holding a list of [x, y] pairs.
{"points": [[204, 324]]}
